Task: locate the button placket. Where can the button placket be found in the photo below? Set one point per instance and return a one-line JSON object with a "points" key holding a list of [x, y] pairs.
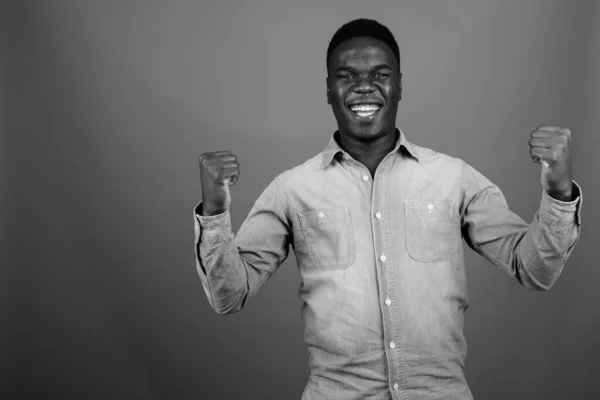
{"points": [[397, 374], [386, 274]]}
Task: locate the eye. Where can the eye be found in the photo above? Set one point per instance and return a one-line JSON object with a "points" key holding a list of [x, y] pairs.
{"points": [[345, 76], [381, 75]]}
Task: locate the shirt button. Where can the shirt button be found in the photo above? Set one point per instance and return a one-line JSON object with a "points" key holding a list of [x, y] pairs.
{"points": [[430, 207], [365, 178], [392, 345], [388, 302], [321, 215], [378, 215], [383, 258], [396, 386]]}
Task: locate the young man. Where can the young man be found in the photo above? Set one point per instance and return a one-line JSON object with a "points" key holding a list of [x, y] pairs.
{"points": [[376, 224]]}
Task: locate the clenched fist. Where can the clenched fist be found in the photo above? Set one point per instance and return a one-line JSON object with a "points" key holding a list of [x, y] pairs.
{"points": [[218, 170], [551, 146]]}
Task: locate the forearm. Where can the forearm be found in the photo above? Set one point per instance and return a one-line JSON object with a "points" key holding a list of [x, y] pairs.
{"points": [[233, 268], [224, 276], [219, 264], [547, 245]]}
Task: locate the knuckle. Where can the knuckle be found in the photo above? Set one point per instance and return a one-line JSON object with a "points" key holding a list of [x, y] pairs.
{"points": [[212, 169]]}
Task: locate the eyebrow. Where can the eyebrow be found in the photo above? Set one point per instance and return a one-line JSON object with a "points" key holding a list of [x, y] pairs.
{"points": [[376, 67]]}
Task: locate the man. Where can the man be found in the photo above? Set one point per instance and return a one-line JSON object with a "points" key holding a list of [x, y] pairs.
{"points": [[376, 224]]}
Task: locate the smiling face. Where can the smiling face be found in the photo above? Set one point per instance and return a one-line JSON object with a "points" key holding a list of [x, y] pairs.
{"points": [[364, 88]]}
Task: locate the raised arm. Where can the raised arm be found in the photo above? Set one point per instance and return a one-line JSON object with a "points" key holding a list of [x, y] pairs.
{"points": [[231, 267], [534, 254]]}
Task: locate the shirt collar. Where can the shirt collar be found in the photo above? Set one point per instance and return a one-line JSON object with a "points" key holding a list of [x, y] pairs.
{"points": [[334, 148]]}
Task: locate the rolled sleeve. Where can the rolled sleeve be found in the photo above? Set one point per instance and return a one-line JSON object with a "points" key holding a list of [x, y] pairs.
{"points": [[211, 232], [555, 213], [214, 228]]}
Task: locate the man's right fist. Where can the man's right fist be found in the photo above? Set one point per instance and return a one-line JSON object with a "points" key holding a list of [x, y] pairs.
{"points": [[218, 170]]}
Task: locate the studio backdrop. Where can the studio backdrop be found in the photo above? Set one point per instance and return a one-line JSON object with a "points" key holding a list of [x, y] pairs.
{"points": [[107, 106]]}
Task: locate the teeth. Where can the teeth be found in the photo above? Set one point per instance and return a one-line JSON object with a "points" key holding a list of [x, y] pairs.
{"points": [[364, 107], [365, 114]]}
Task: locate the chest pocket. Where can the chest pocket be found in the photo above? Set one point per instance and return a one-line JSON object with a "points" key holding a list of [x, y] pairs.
{"points": [[432, 230], [329, 237]]}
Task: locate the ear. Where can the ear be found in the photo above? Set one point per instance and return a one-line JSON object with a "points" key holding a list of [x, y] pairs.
{"points": [[399, 86], [328, 92]]}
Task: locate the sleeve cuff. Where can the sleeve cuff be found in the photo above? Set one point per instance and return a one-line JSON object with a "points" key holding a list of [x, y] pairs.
{"points": [[554, 212], [214, 228]]}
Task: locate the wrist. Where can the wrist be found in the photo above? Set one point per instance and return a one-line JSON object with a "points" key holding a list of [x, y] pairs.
{"points": [[209, 210], [565, 194]]}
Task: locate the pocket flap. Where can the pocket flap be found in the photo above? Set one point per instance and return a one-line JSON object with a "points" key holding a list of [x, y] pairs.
{"points": [[429, 209], [324, 217]]}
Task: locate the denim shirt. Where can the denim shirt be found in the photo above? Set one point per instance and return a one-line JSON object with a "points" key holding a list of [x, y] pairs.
{"points": [[383, 280]]}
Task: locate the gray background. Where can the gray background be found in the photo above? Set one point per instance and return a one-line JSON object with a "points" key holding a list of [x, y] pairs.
{"points": [[107, 105]]}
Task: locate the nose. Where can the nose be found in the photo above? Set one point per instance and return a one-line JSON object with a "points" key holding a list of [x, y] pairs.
{"points": [[364, 85]]}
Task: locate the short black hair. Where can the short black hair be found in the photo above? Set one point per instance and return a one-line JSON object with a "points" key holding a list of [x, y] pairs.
{"points": [[363, 27]]}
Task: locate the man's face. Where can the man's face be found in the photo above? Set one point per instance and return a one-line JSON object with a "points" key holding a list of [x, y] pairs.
{"points": [[364, 88]]}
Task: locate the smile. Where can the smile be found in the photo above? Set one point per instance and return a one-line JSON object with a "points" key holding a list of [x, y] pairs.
{"points": [[365, 110]]}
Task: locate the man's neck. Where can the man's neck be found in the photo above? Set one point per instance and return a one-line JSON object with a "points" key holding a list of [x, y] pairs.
{"points": [[371, 153]]}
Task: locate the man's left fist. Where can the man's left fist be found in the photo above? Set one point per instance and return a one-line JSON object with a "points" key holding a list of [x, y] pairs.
{"points": [[551, 146]]}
